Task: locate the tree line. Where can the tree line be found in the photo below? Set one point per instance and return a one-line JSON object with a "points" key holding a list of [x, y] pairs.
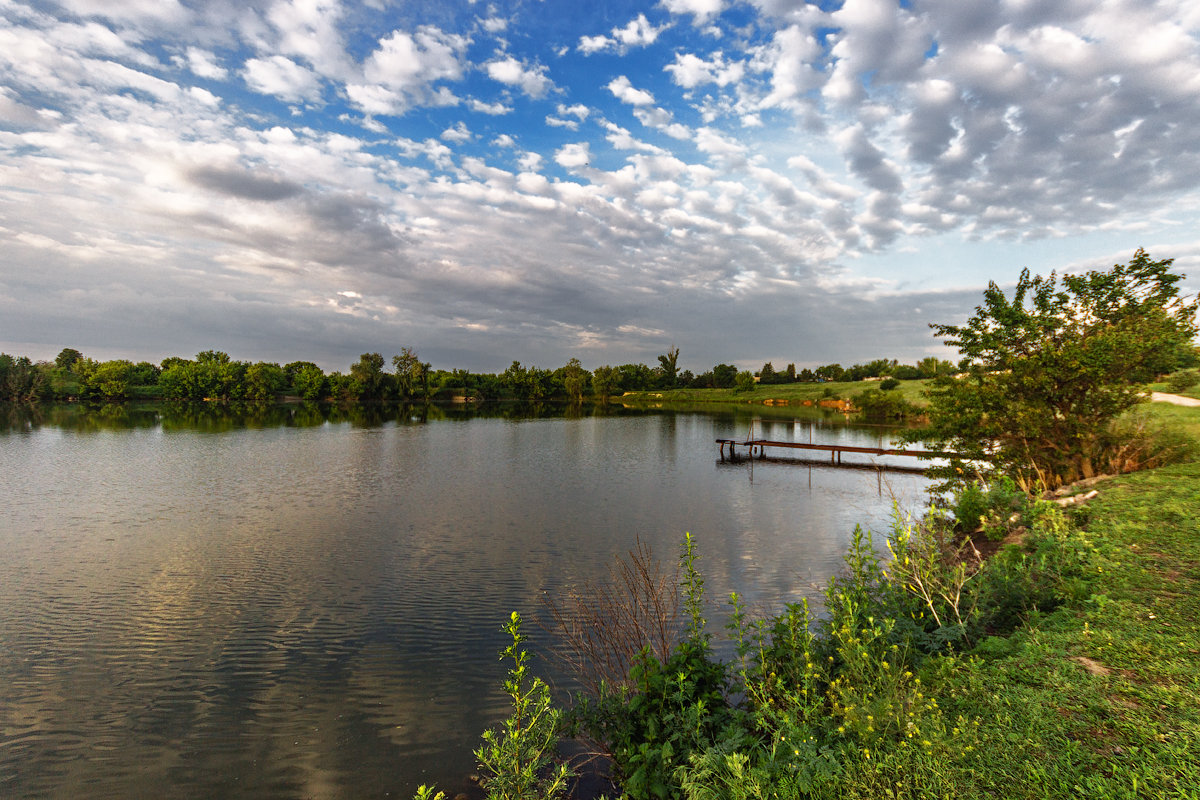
{"points": [[213, 376]]}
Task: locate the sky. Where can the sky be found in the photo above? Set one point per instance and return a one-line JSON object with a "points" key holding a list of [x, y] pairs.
{"points": [[748, 181]]}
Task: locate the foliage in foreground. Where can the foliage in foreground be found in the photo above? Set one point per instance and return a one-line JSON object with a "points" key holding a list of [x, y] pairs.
{"points": [[831, 706], [1064, 664]]}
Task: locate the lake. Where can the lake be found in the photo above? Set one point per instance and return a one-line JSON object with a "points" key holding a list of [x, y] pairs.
{"points": [[293, 606]]}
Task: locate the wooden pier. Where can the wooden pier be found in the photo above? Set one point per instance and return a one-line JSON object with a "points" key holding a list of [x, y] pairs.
{"points": [[757, 449]]}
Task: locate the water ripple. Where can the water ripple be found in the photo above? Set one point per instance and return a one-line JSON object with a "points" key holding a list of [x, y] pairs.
{"points": [[315, 612]]}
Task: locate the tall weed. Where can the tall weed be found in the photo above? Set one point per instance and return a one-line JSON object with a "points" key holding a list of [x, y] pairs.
{"points": [[669, 709], [518, 760]]}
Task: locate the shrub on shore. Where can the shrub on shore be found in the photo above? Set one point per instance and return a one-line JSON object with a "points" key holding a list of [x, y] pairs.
{"points": [[834, 705]]}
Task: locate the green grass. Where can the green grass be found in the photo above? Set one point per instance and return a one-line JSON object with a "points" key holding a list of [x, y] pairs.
{"points": [[1185, 418], [793, 393], [1101, 698], [1193, 392], [798, 393]]}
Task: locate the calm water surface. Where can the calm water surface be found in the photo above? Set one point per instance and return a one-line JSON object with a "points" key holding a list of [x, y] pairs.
{"points": [[195, 609]]}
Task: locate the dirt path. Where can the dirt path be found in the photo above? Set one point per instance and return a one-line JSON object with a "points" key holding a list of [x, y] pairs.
{"points": [[1175, 399]]}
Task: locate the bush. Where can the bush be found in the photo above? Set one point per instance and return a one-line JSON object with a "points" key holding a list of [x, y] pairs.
{"points": [[836, 713], [875, 404], [970, 507], [1183, 380], [889, 383], [997, 508], [605, 625], [1050, 567], [835, 707]]}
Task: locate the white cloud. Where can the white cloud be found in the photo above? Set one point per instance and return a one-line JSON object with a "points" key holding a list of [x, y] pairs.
{"points": [[403, 70], [530, 161], [702, 10], [878, 38], [431, 149], [794, 60], [533, 183], [493, 109], [821, 181], [593, 44], [662, 120], [457, 134], [868, 161], [136, 12], [16, 114], [405, 60], [494, 24], [93, 38], [281, 77], [578, 110], [308, 29], [204, 64], [531, 80], [573, 155], [622, 139], [690, 71], [624, 91], [638, 32], [711, 141]]}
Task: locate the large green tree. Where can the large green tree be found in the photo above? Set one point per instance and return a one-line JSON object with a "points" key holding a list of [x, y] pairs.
{"points": [[109, 381], [1048, 370], [264, 381], [21, 379], [574, 380], [67, 357], [408, 372], [606, 381], [309, 382], [367, 377], [724, 376]]}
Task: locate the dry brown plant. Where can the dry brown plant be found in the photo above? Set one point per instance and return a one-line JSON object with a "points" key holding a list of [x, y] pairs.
{"points": [[603, 625]]}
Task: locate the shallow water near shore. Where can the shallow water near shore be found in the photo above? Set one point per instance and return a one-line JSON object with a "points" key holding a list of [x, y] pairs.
{"points": [[291, 606]]}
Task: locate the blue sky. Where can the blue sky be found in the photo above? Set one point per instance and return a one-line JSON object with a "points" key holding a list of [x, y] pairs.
{"points": [[750, 181]]}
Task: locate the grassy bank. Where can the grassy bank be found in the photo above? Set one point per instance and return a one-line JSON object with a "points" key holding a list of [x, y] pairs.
{"points": [[784, 393], [1102, 697], [800, 393]]}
